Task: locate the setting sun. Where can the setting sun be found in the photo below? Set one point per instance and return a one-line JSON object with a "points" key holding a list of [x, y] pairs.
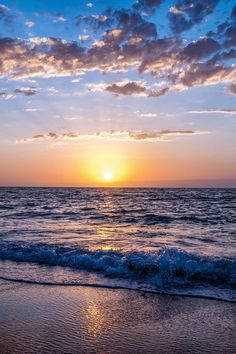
{"points": [[105, 166], [107, 176]]}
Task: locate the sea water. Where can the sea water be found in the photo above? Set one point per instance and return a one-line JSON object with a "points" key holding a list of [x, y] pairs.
{"points": [[176, 241]]}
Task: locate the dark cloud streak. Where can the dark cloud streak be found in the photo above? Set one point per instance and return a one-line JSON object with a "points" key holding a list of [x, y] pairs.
{"points": [[27, 91]]}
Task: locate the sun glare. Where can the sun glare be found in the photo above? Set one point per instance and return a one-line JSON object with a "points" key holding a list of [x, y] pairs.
{"points": [[106, 166], [107, 176]]}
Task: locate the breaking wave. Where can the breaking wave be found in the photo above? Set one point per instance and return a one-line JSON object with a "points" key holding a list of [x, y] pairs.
{"points": [[167, 267]]}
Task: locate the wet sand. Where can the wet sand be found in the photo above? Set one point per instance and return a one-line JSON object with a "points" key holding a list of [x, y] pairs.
{"points": [[60, 319]]}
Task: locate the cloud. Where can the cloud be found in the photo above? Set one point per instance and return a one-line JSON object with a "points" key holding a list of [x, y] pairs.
{"points": [[124, 40], [95, 21], [130, 23], [207, 73], [55, 17], [147, 6], [225, 55], [52, 90], [146, 115], [4, 7], [72, 118], [27, 91], [160, 136], [214, 111], [29, 24], [75, 81], [200, 49], [126, 88], [89, 4], [6, 96], [133, 24], [112, 34], [31, 109], [59, 18], [188, 13], [164, 59], [99, 44], [112, 135], [47, 41], [44, 57], [83, 37], [230, 32], [158, 93], [226, 31]]}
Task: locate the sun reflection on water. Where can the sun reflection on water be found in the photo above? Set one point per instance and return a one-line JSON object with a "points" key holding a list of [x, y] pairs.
{"points": [[106, 235]]}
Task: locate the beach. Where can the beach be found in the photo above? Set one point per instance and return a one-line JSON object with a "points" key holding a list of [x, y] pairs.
{"points": [[73, 319], [118, 177]]}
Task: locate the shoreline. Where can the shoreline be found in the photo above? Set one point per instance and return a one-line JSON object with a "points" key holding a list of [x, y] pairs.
{"points": [[116, 287]]}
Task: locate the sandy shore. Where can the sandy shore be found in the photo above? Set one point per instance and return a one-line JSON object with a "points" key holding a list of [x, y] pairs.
{"points": [[46, 319]]}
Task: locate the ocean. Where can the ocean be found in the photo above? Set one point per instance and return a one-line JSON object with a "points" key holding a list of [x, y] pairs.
{"points": [[170, 241]]}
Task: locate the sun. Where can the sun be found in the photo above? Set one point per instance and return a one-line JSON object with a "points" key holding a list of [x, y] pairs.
{"points": [[107, 176], [106, 167]]}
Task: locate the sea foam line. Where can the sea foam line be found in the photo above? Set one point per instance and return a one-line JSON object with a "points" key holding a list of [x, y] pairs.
{"points": [[117, 287]]}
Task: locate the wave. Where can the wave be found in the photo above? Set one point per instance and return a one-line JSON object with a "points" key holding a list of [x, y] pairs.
{"points": [[165, 268]]}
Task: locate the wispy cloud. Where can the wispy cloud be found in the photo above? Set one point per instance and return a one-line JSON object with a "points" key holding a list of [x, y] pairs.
{"points": [[214, 111], [146, 114], [55, 17], [31, 109], [4, 7], [113, 135], [77, 80]]}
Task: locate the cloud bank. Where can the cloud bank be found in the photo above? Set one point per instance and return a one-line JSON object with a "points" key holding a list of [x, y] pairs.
{"points": [[126, 40]]}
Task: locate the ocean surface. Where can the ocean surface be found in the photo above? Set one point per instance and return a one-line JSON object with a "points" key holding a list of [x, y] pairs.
{"points": [[173, 241]]}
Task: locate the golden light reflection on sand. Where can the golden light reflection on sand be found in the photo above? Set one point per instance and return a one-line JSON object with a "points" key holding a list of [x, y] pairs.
{"points": [[95, 319]]}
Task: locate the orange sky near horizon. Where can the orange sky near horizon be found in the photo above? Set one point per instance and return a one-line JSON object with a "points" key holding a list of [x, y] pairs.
{"points": [[129, 163]]}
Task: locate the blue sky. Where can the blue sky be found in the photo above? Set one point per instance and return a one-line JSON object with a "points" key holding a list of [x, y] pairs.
{"points": [[149, 77]]}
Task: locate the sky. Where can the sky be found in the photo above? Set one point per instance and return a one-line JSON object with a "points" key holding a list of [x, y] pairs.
{"points": [[118, 93]]}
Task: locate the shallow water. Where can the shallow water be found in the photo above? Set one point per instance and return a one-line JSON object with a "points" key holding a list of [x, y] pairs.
{"points": [[168, 240]]}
